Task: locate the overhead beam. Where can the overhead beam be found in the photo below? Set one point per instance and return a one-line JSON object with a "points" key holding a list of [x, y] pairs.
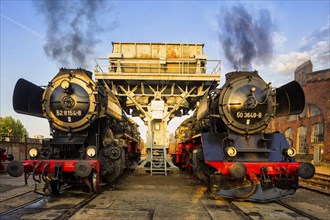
{"points": [[158, 77]]}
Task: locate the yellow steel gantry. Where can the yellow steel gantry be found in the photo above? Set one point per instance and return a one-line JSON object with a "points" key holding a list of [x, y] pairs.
{"points": [[157, 82]]}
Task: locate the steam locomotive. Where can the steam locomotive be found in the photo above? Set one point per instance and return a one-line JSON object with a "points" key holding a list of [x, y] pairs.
{"points": [[226, 145], [92, 138]]}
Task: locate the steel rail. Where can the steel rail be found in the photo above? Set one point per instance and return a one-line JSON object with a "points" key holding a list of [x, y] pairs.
{"points": [[69, 213], [22, 206], [300, 212]]}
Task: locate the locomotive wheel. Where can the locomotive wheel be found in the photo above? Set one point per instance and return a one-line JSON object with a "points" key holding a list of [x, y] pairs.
{"points": [[95, 182]]}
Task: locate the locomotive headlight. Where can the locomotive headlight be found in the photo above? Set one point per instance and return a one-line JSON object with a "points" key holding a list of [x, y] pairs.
{"points": [[231, 151], [290, 152], [91, 151], [65, 84], [33, 152]]}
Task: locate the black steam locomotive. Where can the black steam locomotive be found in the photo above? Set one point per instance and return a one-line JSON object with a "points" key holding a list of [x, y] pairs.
{"points": [[93, 140], [226, 144]]}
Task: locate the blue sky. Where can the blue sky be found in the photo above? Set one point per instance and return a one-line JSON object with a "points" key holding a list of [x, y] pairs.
{"points": [[300, 32]]}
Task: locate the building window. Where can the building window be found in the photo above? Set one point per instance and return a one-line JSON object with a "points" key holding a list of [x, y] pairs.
{"points": [[289, 136], [301, 140], [317, 133], [314, 110]]}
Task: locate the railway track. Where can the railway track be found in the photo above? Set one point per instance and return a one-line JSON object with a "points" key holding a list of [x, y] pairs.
{"points": [[224, 209], [76, 208], [35, 206], [292, 207], [141, 197], [319, 183], [20, 201]]}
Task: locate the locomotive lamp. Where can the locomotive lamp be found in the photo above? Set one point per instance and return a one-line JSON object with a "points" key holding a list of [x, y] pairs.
{"points": [[65, 84], [33, 152], [231, 151], [91, 151], [290, 152]]}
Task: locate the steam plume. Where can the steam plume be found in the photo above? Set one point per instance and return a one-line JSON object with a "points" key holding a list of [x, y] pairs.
{"points": [[244, 38], [71, 29]]}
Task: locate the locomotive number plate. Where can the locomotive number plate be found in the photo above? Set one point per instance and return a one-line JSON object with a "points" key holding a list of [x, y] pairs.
{"points": [[249, 115], [68, 113]]}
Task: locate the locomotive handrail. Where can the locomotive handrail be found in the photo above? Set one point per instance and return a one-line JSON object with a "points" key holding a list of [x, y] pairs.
{"points": [[43, 172], [34, 173], [246, 150], [15, 139], [180, 66]]}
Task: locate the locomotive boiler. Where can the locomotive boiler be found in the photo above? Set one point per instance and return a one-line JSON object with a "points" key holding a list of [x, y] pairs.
{"points": [[226, 143], [92, 138]]}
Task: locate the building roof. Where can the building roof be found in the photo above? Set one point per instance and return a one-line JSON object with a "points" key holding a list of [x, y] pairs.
{"points": [[318, 76]]}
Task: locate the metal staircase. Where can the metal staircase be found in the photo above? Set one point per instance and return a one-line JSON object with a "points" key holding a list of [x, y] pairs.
{"points": [[158, 164]]}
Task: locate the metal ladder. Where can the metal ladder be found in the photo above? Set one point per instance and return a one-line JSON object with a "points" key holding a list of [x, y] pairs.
{"points": [[158, 165]]}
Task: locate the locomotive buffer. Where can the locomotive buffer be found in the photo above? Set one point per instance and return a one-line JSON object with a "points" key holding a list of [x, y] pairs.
{"points": [[157, 82]]}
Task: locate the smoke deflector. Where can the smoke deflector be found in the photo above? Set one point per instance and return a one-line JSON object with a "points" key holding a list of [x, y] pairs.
{"points": [[290, 99], [27, 98]]}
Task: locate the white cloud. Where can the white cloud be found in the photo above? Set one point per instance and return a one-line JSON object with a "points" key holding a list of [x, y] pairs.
{"points": [[321, 55], [287, 63], [279, 39], [323, 34], [318, 46]]}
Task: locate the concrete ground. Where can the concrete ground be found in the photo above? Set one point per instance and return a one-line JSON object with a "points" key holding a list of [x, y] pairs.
{"points": [[140, 196], [322, 170]]}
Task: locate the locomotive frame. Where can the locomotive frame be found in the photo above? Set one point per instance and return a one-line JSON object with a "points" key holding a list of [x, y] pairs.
{"points": [[231, 152], [93, 140]]}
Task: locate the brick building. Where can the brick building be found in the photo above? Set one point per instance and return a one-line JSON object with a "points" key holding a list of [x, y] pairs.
{"points": [[309, 132]]}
